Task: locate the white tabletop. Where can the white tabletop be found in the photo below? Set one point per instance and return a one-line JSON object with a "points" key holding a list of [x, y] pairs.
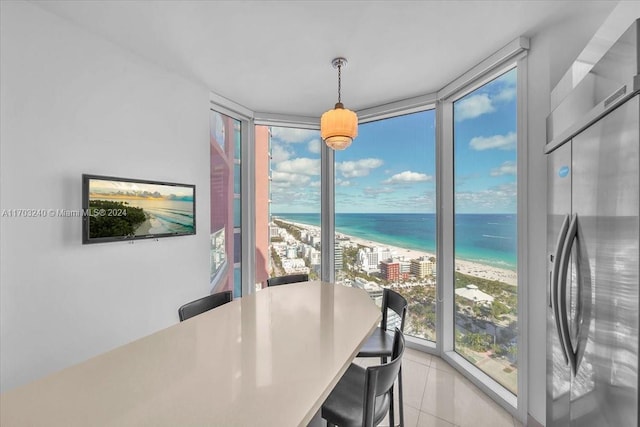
{"points": [[267, 359]]}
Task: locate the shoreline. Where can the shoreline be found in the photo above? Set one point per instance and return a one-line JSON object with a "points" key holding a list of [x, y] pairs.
{"points": [[470, 268], [145, 226]]}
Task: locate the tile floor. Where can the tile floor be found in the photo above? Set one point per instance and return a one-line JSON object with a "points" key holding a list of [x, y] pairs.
{"points": [[436, 395]]}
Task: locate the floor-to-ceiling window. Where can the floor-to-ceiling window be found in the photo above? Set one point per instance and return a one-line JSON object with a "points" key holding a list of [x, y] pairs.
{"points": [[485, 228], [288, 220], [385, 214], [452, 252]]}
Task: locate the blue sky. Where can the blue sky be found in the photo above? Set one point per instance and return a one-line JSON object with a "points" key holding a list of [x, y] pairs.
{"points": [[390, 166], [485, 148]]}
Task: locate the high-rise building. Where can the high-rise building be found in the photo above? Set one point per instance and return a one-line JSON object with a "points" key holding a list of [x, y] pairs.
{"points": [[292, 252], [338, 256], [264, 228], [422, 267], [405, 269], [390, 269], [314, 257], [274, 231], [368, 259]]}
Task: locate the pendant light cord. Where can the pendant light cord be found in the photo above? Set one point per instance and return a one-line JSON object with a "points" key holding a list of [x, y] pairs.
{"points": [[339, 81]]}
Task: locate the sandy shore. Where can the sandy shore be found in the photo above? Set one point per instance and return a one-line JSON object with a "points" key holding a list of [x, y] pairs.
{"points": [[465, 267], [143, 229]]}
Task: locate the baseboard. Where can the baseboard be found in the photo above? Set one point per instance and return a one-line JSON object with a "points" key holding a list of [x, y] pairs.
{"points": [[532, 422]]}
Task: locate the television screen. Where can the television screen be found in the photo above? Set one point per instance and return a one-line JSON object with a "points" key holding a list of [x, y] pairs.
{"points": [[117, 209]]}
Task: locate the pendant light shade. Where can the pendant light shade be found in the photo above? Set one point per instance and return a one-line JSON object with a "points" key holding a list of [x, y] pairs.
{"points": [[338, 127]]}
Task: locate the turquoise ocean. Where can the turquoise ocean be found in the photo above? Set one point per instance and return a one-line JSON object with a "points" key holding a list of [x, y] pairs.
{"points": [[488, 239]]}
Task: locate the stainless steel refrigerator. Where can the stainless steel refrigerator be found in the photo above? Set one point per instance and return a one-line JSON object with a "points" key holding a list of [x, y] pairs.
{"points": [[593, 251]]}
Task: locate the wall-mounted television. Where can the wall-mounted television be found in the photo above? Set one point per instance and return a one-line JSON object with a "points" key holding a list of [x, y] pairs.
{"points": [[122, 209]]}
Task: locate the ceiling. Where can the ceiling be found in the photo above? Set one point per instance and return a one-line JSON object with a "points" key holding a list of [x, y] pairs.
{"points": [[275, 56]]}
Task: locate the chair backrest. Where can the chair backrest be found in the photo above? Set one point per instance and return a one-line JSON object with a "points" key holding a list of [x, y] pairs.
{"points": [[201, 305], [380, 378], [283, 280], [391, 300]]}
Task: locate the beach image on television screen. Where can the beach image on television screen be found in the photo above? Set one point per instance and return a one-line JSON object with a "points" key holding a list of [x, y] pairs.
{"points": [[133, 209]]}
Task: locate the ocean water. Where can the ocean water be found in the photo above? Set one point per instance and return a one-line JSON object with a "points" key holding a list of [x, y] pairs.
{"points": [[167, 216], [484, 238]]}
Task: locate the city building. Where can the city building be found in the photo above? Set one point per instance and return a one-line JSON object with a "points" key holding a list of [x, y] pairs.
{"points": [[390, 270], [474, 295], [292, 252], [422, 267], [373, 289], [338, 256], [274, 231], [405, 268], [369, 258], [314, 257]]}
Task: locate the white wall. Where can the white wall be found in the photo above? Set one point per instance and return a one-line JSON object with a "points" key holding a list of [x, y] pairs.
{"points": [[73, 103], [552, 52]]}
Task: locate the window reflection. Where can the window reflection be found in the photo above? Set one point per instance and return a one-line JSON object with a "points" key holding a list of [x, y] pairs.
{"points": [[225, 134]]}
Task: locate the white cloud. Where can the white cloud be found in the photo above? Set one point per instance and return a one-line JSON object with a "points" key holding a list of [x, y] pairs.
{"points": [[279, 153], [473, 106], [294, 173], [496, 199], [424, 201], [407, 177], [351, 169], [342, 183], [374, 192], [314, 146], [507, 168], [506, 94], [301, 165], [288, 199], [287, 179], [293, 135], [501, 142]]}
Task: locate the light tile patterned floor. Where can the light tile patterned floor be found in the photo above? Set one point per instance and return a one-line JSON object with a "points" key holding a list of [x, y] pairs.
{"points": [[436, 395]]}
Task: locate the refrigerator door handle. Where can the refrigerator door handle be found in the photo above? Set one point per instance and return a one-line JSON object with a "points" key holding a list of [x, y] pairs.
{"points": [[562, 292], [555, 274], [584, 309]]}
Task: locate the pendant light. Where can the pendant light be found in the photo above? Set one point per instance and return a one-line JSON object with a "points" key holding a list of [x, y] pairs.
{"points": [[339, 126]]}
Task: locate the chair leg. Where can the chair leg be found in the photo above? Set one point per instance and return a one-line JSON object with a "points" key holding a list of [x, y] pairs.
{"points": [[400, 397], [391, 405], [392, 421]]}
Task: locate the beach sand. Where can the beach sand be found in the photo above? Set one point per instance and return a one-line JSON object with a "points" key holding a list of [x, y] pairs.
{"points": [[143, 229], [465, 267]]}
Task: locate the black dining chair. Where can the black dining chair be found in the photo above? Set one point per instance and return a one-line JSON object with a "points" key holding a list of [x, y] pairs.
{"points": [[380, 343], [363, 396], [283, 280], [201, 305]]}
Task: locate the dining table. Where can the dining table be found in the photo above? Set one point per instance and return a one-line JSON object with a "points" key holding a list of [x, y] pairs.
{"points": [[270, 358]]}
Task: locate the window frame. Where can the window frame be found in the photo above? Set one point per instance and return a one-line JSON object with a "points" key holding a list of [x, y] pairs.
{"points": [[515, 57]]}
